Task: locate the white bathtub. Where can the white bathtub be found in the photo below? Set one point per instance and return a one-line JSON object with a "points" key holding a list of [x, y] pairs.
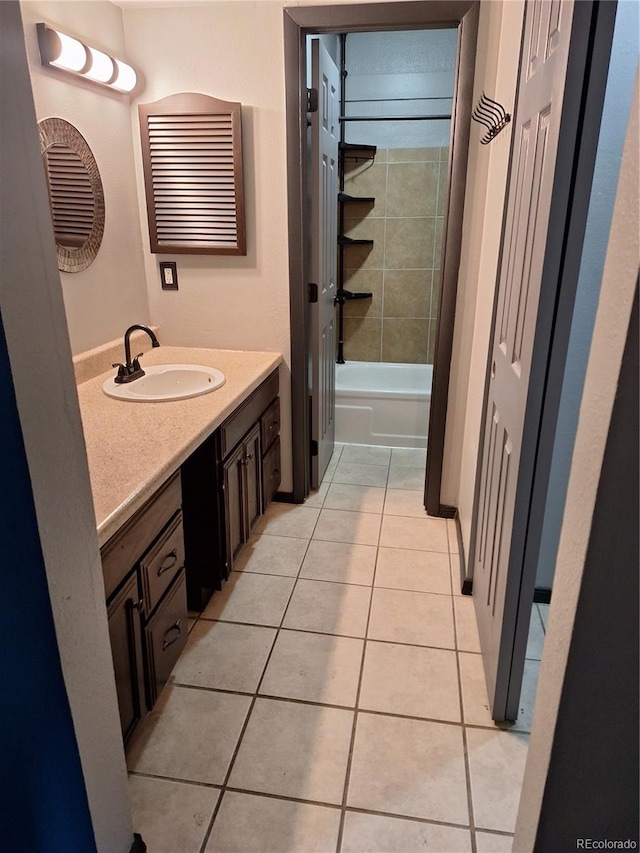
{"points": [[385, 404]]}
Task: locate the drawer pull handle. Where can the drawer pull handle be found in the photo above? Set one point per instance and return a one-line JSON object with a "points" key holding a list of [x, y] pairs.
{"points": [[166, 643], [139, 605], [169, 562]]}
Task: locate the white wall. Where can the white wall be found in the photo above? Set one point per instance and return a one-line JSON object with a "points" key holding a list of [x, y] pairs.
{"points": [[38, 346], [103, 300], [233, 51], [499, 39], [410, 64]]}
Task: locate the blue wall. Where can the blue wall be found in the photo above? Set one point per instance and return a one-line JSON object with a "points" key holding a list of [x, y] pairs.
{"points": [[43, 801]]}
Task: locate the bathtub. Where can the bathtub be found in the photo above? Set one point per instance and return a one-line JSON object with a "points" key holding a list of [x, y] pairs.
{"points": [[384, 404]]}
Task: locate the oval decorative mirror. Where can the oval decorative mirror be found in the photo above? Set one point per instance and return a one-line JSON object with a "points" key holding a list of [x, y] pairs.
{"points": [[75, 194]]}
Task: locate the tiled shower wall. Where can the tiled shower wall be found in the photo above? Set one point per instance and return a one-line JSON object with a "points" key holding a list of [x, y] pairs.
{"points": [[402, 268]]}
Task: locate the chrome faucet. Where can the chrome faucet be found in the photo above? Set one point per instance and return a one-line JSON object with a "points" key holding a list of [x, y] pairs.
{"points": [[131, 369]]}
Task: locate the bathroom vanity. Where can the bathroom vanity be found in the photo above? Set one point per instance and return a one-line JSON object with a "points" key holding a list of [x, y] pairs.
{"points": [[178, 487]]}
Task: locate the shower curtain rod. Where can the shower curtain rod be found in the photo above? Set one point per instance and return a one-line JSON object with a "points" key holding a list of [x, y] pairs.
{"points": [[389, 100], [395, 118]]}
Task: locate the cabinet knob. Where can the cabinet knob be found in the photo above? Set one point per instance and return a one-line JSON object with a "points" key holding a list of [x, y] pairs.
{"points": [[139, 605]]}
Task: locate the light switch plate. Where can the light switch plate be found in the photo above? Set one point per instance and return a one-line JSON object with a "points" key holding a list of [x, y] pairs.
{"points": [[169, 275]]}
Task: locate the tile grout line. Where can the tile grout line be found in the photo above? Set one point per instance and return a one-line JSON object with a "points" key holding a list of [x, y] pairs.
{"points": [[256, 694], [252, 704], [319, 803], [465, 746], [347, 778]]}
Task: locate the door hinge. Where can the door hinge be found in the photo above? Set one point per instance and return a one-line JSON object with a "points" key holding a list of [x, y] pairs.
{"points": [[312, 100], [313, 291], [314, 447]]}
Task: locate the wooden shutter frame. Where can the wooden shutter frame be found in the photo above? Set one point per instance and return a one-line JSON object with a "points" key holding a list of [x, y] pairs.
{"points": [[193, 104]]}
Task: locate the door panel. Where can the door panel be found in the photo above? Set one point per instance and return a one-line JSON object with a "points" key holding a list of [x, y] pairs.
{"points": [[324, 230], [234, 505], [536, 134], [253, 480]]}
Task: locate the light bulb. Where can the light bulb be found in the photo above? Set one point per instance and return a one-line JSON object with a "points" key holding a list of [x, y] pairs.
{"points": [[101, 68], [73, 54], [126, 79]]}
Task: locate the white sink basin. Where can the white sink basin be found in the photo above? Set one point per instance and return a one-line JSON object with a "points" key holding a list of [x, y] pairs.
{"points": [[164, 382]]}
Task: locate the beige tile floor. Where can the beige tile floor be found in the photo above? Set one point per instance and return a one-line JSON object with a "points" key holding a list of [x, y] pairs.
{"points": [[331, 697]]}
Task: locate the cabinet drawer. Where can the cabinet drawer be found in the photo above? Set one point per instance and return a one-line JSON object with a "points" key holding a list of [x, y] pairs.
{"points": [[162, 563], [123, 550], [235, 426], [166, 636], [271, 472], [270, 424]]}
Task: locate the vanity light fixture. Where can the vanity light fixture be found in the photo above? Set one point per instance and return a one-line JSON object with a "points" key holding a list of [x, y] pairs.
{"points": [[63, 51]]}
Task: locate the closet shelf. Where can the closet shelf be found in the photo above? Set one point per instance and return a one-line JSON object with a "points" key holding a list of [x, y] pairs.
{"points": [[355, 151], [349, 241], [345, 198]]}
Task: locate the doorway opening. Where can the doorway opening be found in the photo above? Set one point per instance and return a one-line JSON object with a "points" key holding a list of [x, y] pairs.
{"points": [[395, 134], [308, 380]]}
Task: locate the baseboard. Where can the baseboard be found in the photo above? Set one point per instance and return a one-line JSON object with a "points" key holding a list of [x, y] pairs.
{"points": [[541, 595], [138, 845], [284, 498], [445, 511], [466, 584]]}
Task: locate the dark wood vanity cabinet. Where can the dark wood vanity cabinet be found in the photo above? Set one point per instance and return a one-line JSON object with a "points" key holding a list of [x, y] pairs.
{"points": [[181, 545], [227, 484], [242, 487], [144, 572]]}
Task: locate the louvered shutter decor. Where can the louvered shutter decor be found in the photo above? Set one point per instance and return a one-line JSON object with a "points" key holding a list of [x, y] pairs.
{"points": [[70, 195], [193, 173]]}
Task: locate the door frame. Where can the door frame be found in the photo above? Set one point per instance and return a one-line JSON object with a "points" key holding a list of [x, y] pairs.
{"points": [[586, 77], [299, 22]]}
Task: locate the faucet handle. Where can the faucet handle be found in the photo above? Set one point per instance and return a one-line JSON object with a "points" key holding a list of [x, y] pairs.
{"points": [[122, 370], [136, 361]]}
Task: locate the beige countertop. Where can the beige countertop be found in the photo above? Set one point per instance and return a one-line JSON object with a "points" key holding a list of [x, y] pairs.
{"points": [[133, 448]]}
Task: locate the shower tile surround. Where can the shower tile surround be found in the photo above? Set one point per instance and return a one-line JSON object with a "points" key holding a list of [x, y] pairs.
{"points": [[402, 269], [317, 729]]}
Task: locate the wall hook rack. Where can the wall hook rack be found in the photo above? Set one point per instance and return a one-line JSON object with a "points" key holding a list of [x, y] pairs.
{"points": [[492, 115]]}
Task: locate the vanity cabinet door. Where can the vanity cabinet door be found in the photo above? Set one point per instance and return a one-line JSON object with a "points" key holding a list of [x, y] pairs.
{"points": [[233, 470], [271, 472], [252, 479], [242, 473], [125, 633]]}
